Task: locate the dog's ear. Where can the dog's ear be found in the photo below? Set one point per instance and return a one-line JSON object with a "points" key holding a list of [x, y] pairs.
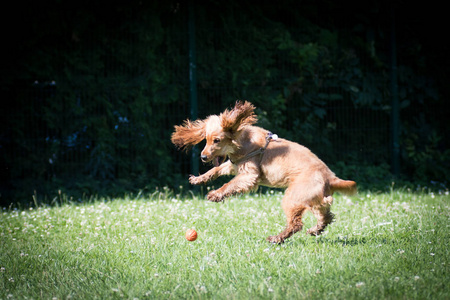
{"points": [[188, 134], [241, 115]]}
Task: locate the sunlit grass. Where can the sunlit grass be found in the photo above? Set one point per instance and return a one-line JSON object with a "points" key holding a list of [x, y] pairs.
{"points": [[382, 246]]}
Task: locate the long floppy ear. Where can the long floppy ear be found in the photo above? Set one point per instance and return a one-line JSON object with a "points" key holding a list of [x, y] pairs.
{"points": [[188, 134], [241, 115]]}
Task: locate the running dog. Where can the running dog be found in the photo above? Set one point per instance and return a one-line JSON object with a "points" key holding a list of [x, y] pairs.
{"points": [[258, 157]]}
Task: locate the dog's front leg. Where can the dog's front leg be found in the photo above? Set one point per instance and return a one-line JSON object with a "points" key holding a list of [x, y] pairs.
{"points": [[240, 184], [224, 169]]}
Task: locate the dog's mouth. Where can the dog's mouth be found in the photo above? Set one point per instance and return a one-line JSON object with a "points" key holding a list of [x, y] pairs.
{"points": [[218, 160]]}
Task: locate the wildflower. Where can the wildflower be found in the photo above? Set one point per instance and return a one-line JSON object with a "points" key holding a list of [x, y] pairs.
{"points": [[2, 269], [416, 277], [270, 290], [359, 284], [384, 223], [432, 254], [396, 279]]}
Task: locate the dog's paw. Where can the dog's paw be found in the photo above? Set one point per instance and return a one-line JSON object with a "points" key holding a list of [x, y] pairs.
{"points": [[275, 239], [314, 231], [214, 196], [195, 180]]}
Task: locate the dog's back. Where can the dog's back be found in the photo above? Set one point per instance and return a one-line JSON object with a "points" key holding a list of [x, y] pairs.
{"points": [[285, 161]]}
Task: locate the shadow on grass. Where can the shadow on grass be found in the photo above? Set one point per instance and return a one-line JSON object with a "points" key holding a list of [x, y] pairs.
{"points": [[344, 241], [341, 241]]}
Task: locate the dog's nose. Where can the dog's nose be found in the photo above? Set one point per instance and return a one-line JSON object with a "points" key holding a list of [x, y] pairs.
{"points": [[203, 157]]}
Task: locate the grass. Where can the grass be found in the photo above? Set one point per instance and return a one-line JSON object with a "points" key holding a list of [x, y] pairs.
{"points": [[392, 245]]}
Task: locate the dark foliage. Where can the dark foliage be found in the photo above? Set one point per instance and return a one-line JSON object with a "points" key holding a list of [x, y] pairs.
{"points": [[93, 89]]}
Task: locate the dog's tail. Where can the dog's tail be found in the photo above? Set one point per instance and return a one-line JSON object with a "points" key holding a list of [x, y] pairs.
{"points": [[347, 187]]}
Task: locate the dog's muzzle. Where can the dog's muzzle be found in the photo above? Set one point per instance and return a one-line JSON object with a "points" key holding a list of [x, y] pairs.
{"points": [[217, 161]]}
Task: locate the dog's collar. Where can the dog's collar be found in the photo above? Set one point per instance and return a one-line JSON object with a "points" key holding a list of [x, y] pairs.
{"points": [[269, 137]]}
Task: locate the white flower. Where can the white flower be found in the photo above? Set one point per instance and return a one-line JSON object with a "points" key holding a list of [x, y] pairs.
{"points": [[396, 279], [416, 277], [432, 254], [359, 284]]}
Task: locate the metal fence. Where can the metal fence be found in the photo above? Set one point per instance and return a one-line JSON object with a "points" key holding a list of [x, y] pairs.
{"points": [[349, 133]]}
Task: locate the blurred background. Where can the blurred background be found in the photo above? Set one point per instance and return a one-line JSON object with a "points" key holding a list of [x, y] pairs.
{"points": [[91, 90]]}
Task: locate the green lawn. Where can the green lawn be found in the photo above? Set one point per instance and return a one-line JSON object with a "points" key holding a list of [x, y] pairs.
{"points": [[392, 245]]}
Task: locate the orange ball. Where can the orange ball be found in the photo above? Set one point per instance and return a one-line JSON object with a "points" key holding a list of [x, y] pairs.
{"points": [[191, 235]]}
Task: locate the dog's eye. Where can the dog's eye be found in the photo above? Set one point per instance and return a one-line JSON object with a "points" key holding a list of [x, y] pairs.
{"points": [[216, 141]]}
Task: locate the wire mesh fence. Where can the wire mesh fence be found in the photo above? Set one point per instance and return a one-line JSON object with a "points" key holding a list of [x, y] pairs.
{"points": [[101, 116]]}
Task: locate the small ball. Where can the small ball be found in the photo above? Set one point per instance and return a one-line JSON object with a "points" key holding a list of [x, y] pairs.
{"points": [[191, 235]]}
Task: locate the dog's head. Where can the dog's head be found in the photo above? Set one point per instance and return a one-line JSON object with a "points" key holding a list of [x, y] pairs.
{"points": [[220, 132]]}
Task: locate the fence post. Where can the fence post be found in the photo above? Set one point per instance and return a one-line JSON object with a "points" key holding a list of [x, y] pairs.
{"points": [[193, 81], [395, 113]]}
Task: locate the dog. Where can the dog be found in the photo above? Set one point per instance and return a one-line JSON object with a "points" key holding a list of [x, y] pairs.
{"points": [[258, 157]]}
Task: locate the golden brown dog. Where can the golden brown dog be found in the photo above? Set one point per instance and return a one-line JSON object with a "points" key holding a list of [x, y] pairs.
{"points": [[258, 157]]}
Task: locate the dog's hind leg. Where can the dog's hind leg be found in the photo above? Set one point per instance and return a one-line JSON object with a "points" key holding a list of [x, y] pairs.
{"points": [[324, 217], [294, 211], [294, 224]]}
